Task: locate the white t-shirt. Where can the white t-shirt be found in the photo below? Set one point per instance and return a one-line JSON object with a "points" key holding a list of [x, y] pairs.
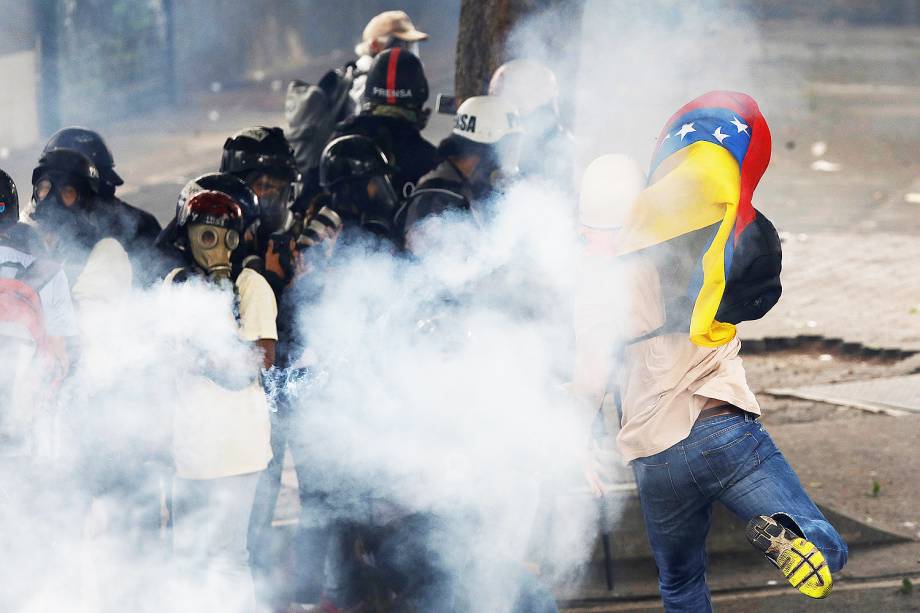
{"points": [[219, 432], [105, 277], [57, 307]]}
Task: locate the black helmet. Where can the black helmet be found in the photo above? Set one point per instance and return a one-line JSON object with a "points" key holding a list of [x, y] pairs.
{"points": [[70, 163], [218, 199], [356, 173], [9, 201], [90, 144], [259, 148], [64, 186], [396, 78], [348, 158]]}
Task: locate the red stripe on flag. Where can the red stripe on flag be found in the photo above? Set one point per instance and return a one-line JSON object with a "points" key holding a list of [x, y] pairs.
{"points": [[391, 75]]}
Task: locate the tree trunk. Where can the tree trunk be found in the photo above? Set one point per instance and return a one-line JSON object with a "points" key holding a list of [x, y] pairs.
{"points": [[487, 25]]}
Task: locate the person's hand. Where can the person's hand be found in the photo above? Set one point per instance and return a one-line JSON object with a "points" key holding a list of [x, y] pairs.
{"points": [[281, 246], [592, 470]]}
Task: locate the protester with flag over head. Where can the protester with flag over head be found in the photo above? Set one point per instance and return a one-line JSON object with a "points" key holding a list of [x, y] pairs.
{"points": [[698, 259]]}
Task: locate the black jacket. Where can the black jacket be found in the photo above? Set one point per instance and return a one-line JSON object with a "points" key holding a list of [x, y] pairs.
{"points": [[442, 189], [408, 152], [136, 230]]}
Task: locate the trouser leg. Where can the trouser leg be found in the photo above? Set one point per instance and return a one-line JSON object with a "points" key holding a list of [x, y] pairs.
{"points": [[210, 539], [677, 520], [774, 489]]}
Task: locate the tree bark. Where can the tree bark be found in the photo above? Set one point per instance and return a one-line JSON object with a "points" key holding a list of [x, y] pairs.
{"points": [[485, 27]]}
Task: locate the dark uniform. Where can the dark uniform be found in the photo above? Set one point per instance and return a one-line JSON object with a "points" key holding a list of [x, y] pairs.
{"points": [[443, 189], [400, 140]]}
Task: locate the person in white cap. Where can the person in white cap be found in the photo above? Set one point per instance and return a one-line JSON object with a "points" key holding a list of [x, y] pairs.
{"points": [[385, 31], [608, 188], [548, 147], [481, 152]]}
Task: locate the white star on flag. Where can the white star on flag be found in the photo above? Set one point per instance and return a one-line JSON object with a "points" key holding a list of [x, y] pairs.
{"points": [[666, 137], [686, 129], [742, 127], [720, 136]]}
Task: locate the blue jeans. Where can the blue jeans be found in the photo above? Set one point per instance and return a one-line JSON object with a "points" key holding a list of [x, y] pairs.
{"points": [[730, 459]]}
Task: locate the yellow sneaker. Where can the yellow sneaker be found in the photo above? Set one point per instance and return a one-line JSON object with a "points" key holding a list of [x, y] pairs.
{"points": [[799, 560]]}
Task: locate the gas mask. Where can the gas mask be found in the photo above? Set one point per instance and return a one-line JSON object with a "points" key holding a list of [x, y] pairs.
{"points": [[372, 203], [211, 248], [62, 208], [275, 197]]}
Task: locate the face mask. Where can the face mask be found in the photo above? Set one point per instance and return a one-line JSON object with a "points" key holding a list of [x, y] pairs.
{"points": [[412, 47], [62, 211], [275, 197], [211, 248]]}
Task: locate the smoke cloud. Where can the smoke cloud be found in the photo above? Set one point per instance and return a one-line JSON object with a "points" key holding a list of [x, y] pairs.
{"points": [[439, 380]]}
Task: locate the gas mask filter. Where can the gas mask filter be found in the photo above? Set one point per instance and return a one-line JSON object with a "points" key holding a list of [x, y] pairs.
{"points": [[211, 247]]}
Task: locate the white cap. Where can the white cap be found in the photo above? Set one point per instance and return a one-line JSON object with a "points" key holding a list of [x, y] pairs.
{"points": [[486, 119], [609, 187], [527, 84]]}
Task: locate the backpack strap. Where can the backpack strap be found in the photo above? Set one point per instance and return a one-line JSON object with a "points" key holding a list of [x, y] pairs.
{"points": [[668, 327], [39, 273]]}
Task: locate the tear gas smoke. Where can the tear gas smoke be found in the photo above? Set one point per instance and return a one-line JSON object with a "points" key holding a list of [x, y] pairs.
{"points": [[440, 387]]}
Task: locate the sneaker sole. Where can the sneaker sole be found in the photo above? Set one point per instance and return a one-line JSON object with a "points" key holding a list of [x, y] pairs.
{"points": [[800, 562]]}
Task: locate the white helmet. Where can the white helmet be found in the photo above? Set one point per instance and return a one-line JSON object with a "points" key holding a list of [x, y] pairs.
{"points": [[609, 186], [486, 120], [527, 84]]}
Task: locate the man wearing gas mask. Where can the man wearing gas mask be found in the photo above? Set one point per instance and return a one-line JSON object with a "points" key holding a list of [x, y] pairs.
{"points": [[66, 212], [392, 116], [479, 156], [135, 229], [357, 175], [264, 160], [221, 430]]}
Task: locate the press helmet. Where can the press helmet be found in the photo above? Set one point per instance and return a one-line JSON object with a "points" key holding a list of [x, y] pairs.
{"points": [[396, 78], [526, 84], [486, 120]]}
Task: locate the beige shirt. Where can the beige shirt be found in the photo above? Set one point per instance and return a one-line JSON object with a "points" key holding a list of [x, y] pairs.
{"points": [[664, 381], [219, 432]]}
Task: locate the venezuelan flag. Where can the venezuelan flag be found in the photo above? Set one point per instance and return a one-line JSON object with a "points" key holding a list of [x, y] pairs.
{"points": [[710, 156]]}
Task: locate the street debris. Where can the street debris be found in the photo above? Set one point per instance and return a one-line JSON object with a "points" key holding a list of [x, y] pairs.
{"points": [[825, 166]]}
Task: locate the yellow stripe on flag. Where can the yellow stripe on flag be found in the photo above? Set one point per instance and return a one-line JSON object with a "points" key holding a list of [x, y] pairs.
{"points": [[696, 187]]}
